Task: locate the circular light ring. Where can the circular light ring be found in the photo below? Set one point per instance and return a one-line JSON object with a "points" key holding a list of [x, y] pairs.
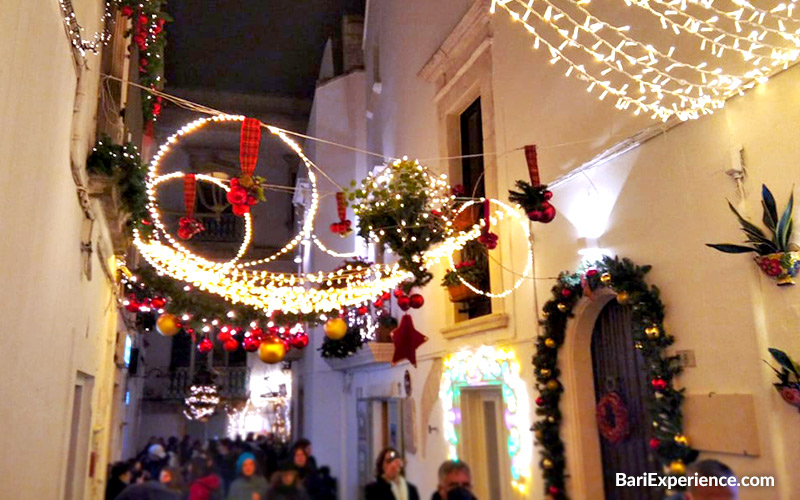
{"points": [[507, 209], [248, 226], [192, 127]]}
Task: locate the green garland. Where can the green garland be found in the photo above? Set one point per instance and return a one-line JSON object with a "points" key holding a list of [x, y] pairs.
{"points": [[123, 164], [627, 280], [344, 347]]}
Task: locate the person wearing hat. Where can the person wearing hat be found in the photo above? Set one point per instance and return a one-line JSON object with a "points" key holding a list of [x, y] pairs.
{"points": [[389, 481], [286, 483], [250, 485]]}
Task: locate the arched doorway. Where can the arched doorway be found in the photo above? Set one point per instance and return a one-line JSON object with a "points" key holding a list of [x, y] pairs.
{"points": [[620, 375]]}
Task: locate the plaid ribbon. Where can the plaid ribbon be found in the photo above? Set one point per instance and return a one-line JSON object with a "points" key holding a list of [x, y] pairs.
{"points": [[486, 214], [189, 194], [533, 164], [248, 145], [341, 208]]}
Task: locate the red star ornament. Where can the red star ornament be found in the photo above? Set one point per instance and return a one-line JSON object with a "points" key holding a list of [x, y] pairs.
{"points": [[406, 340]]}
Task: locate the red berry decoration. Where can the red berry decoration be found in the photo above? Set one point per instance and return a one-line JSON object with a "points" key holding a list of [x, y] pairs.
{"points": [[251, 344], [205, 346], [404, 302], [127, 11], [553, 490], [655, 443], [659, 384], [591, 273], [539, 401], [241, 210], [566, 293], [237, 195], [230, 345], [133, 305], [417, 301], [158, 302]]}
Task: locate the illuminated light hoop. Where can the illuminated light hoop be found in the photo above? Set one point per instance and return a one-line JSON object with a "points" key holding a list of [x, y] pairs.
{"points": [[490, 366], [190, 128], [248, 227], [528, 262]]}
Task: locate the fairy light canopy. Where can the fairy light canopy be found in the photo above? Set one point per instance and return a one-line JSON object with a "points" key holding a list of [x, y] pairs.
{"points": [[663, 58]]}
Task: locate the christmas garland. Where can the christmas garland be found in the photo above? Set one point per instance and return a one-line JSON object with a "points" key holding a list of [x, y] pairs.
{"points": [[616, 429], [669, 444], [148, 18]]}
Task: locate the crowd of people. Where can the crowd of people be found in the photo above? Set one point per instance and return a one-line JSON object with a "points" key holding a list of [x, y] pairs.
{"points": [[224, 469]]}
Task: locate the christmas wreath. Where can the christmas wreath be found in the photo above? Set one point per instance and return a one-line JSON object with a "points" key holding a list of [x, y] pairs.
{"points": [[612, 418], [668, 443]]}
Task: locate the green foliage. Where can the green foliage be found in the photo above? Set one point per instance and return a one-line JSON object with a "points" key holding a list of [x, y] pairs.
{"points": [[529, 197], [344, 347], [399, 214], [648, 311], [780, 229], [122, 163], [788, 367]]}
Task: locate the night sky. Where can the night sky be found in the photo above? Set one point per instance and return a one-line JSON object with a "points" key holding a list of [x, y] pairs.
{"points": [[259, 46]]}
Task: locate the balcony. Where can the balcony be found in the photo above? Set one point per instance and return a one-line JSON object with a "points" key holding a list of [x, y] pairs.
{"points": [[233, 383]]}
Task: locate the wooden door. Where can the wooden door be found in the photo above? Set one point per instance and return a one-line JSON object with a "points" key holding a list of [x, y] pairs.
{"points": [[619, 367]]}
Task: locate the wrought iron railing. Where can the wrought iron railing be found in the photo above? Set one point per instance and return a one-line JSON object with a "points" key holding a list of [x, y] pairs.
{"points": [[233, 383]]}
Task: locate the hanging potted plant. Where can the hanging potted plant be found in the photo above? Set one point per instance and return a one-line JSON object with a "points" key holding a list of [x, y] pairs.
{"points": [[452, 280], [788, 385], [777, 256]]}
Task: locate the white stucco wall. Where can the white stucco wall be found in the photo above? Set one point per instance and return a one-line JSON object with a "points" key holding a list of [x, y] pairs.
{"points": [[664, 200], [56, 323]]}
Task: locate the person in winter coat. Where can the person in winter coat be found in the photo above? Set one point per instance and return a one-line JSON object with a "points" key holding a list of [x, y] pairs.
{"points": [[389, 481], [250, 485], [286, 484], [166, 488], [205, 484], [118, 479]]}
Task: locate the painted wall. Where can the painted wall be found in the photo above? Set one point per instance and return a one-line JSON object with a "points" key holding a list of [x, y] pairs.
{"points": [[657, 204], [56, 321]]}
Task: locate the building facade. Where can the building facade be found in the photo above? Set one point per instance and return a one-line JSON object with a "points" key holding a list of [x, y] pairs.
{"points": [[623, 185]]}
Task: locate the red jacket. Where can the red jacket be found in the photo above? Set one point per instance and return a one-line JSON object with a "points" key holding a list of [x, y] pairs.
{"points": [[203, 488]]}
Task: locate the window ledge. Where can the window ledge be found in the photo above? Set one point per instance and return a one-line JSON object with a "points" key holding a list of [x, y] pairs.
{"points": [[494, 321]]}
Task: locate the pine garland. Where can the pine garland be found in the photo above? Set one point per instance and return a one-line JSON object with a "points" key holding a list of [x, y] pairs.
{"points": [[669, 444], [344, 347]]}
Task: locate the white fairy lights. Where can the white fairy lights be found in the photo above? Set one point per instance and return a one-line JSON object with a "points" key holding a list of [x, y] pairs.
{"points": [[202, 402], [75, 31], [729, 51]]}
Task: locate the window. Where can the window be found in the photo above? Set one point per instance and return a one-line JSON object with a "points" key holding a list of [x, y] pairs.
{"points": [[472, 178]]}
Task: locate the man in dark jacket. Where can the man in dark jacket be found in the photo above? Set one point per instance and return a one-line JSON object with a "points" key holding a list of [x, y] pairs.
{"points": [[455, 482]]}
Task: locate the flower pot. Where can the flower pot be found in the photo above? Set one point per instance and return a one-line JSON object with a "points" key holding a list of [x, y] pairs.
{"points": [[782, 266], [467, 218], [790, 393], [461, 293]]}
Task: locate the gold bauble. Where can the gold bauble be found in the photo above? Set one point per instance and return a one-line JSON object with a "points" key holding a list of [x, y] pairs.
{"points": [[168, 324], [677, 467], [545, 372], [552, 385], [272, 350], [545, 314], [605, 278], [538, 434], [562, 307], [682, 440], [622, 297], [335, 328], [547, 463], [550, 343], [652, 332], [246, 181]]}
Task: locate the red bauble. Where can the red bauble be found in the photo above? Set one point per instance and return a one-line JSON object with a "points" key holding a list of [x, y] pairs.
{"points": [[158, 302], [240, 210], [237, 195], [386, 296], [539, 401], [399, 293], [252, 200], [185, 233], [257, 333], [362, 310], [379, 303], [655, 443], [417, 301], [659, 384], [553, 490], [548, 212], [566, 292], [127, 11], [230, 345], [548, 195], [535, 215], [404, 302], [205, 346], [251, 343], [143, 19], [133, 305], [224, 336], [591, 273], [299, 341]]}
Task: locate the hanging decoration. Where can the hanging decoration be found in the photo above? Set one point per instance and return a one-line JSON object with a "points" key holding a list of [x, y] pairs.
{"points": [[788, 385], [533, 196], [669, 444], [612, 418], [203, 397], [493, 366], [272, 350], [89, 44], [343, 227], [718, 53], [407, 340], [487, 237], [168, 324], [188, 225], [777, 256], [247, 191], [465, 270], [335, 328]]}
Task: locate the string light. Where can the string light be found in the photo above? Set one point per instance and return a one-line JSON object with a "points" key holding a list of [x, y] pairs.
{"points": [[75, 30], [202, 401], [617, 64], [493, 367]]}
